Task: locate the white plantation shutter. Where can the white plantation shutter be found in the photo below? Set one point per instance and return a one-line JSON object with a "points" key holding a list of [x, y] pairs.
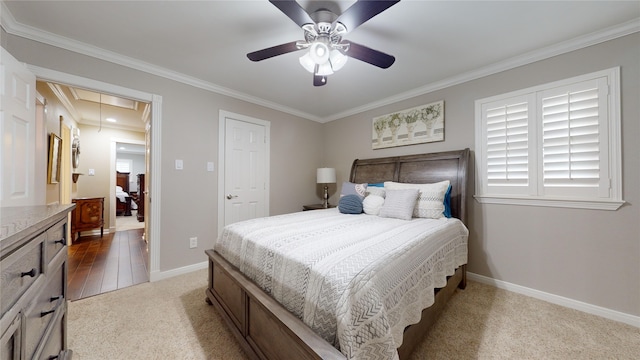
{"points": [[572, 127], [124, 165], [507, 124], [556, 144]]}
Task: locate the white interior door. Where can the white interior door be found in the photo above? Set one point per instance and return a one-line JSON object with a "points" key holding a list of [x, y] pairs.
{"points": [[245, 171], [18, 133]]}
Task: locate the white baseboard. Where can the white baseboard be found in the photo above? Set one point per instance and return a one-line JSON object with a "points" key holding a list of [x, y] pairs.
{"points": [[558, 300], [160, 275]]}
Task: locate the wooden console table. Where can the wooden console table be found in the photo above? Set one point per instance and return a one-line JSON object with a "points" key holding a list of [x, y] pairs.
{"points": [[88, 215]]}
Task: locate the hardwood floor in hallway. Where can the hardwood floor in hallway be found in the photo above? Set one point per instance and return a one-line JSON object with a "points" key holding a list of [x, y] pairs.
{"points": [[98, 265]]}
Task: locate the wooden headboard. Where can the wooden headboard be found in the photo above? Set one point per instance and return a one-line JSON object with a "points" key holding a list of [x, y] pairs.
{"points": [[122, 180], [420, 169]]}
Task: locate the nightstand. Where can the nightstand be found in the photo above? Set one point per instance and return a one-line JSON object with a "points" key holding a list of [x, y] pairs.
{"points": [[315, 207]]}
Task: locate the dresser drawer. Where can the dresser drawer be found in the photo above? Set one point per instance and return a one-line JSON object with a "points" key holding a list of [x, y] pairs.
{"points": [[19, 271], [10, 339], [55, 343], [43, 309], [56, 240]]}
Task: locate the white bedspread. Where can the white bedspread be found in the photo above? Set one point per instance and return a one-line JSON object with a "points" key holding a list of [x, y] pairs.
{"points": [[123, 195], [356, 280]]}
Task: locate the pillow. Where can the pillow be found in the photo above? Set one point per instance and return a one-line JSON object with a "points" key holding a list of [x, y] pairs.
{"points": [[350, 204], [447, 203], [375, 191], [431, 202], [399, 204], [372, 204], [349, 188], [119, 189]]}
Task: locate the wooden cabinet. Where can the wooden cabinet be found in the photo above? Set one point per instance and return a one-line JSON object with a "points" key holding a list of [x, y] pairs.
{"points": [[141, 197], [33, 283], [88, 215]]}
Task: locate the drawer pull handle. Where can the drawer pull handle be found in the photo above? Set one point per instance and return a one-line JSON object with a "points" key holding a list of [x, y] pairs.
{"points": [[61, 241], [30, 273], [54, 298], [45, 313]]}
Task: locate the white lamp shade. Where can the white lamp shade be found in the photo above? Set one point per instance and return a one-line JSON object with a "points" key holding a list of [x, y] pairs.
{"points": [[326, 176], [337, 59], [319, 52], [324, 69], [307, 62]]}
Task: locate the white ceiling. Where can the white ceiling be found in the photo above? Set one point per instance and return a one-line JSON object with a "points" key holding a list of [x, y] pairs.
{"points": [[436, 43]]}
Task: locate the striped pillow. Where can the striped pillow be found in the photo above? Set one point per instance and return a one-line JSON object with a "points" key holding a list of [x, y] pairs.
{"points": [[430, 204]]}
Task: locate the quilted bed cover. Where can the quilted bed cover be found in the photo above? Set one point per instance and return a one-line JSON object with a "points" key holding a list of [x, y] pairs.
{"points": [[356, 280]]}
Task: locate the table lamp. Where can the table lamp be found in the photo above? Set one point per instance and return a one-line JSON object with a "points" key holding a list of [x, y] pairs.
{"points": [[326, 176]]}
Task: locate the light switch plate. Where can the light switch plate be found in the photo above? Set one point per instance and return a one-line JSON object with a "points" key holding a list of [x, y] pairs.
{"points": [[210, 166], [179, 164], [92, 172]]}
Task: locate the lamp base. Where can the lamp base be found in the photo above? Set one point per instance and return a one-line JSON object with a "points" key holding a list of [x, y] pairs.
{"points": [[325, 202]]}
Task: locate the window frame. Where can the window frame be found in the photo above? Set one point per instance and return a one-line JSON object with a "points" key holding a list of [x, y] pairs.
{"points": [[533, 193]]}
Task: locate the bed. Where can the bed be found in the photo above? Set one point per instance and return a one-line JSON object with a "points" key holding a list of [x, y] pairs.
{"points": [[268, 329], [124, 205]]}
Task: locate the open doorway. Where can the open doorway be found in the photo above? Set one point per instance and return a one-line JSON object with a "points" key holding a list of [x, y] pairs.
{"points": [[130, 174], [104, 124]]}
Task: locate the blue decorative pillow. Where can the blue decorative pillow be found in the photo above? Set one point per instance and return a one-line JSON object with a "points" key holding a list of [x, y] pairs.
{"points": [[350, 204], [381, 184], [447, 203]]}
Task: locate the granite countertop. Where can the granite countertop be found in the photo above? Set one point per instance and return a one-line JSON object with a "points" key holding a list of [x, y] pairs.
{"points": [[17, 221]]}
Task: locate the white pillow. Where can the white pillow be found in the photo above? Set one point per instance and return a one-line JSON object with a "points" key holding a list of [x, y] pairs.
{"points": [[372, 204], [399, 204], [430, 203], [375, 191]]}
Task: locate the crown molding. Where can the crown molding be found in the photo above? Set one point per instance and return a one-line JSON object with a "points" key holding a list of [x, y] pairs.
{"points": [[580, 42], [13, 27]]}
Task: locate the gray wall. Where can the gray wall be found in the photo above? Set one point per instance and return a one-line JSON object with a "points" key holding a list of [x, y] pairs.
{"points": [[190, 132], [588, 255]]}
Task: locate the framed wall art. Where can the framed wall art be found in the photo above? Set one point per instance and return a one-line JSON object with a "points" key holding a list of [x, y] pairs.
{"points": [[55, 156], [421, 124]]}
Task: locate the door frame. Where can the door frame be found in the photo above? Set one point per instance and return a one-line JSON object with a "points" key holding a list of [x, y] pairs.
{"points": [[153, 213], [222, 122], [112, 179]]}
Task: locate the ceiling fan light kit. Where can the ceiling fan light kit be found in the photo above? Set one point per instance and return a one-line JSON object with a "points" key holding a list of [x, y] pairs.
{"points": [[326, 51]]}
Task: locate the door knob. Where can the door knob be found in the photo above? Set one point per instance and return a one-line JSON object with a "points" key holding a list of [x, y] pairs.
{"points": [[229, 196]]}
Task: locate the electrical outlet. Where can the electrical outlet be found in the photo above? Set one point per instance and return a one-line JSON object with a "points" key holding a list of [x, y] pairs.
{"points": [[193, 242]]}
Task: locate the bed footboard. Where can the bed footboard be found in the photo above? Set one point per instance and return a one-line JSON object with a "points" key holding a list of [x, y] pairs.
{"points": [[263, 327], [266, 330]]}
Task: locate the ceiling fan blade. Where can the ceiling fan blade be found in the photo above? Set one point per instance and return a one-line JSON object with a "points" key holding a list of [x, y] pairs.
{"points": [[319, 80], [368, 55], [294, 11], [273, 51], [358, 13]]}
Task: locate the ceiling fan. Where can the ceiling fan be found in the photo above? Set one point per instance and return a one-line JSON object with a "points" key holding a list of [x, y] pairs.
{"points": [[323, 31]]}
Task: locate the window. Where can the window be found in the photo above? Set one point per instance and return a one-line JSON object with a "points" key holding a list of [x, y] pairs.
{"points": [[556, 144], [124, 165]]}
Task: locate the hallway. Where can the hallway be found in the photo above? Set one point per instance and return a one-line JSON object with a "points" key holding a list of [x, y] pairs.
{"points": [[98, 265]]}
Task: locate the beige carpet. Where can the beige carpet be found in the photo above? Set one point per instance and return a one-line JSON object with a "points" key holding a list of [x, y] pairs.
{"points": [[124, 223], [170, 319]]}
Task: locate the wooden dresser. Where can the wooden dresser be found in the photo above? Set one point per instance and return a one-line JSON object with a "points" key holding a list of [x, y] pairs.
{"points": [[88, 215], [141, 196], [33, 282]]}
